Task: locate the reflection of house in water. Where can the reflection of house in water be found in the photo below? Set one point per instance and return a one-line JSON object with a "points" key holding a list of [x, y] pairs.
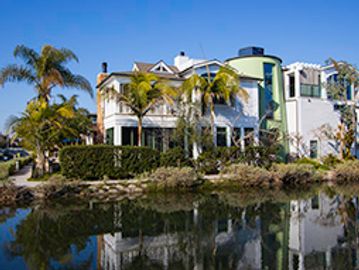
{"points": [[222, 244], [315, 231], [302, 234]]}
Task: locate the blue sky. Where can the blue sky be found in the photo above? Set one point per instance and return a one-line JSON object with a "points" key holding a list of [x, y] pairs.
{"points": [[121, 32]]}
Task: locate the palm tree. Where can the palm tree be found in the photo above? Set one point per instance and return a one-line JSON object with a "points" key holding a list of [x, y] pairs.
{"points": [[347, 78], [224, 85], [40, 127], [144, 92], [44, 70]]}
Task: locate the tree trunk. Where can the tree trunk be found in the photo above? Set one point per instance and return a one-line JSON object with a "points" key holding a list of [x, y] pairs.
{"points": [[212, 123], [186, 144], [139, 132], [39, 163], [342, 142]]}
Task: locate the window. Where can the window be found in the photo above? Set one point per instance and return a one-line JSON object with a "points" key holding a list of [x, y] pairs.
{"points": [[221, 136], [315, 202], [110, 136], [129, 135], [155, 138], [339, 84], [313, 149], [236, 137], [268, 89], [291, 86], [310, 90]]}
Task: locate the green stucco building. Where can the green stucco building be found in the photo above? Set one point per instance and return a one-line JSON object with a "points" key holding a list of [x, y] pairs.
{"points": [[252, 61]]}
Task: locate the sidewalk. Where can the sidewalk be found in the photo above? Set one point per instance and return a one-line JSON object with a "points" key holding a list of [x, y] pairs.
{"points": [[20, 178]]}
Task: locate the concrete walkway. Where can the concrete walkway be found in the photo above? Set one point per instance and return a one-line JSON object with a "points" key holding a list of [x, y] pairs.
{"points": [[20, 178]]}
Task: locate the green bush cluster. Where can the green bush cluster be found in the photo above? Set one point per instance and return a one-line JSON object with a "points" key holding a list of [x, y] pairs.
{"points": [[245, 175], [309, 161], [174, 157], [9, 167], [331, 161], [347, 172], [212, 161], [295, 174], [174, 178], [115, 162]]}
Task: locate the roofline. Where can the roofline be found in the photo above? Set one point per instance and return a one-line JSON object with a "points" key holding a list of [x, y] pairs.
{"points": [[201, 63], [112, 74], [247, 56], [246, 77]]}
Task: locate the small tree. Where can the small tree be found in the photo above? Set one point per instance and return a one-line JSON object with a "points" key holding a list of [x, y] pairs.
{"points": [[223, 85], [43, 126], [347, 78], [144, 92]]}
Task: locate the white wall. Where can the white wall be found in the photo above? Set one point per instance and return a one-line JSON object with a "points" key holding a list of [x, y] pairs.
{"points": [[313, 114]]}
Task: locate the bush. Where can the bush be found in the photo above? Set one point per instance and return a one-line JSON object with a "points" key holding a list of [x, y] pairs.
{"points": [[249, 176], [9, 167], [174, 178], [331, 161], [347, 172], [295, 174], [97, 161], [212, 161], [316, 164], [174, 157]]}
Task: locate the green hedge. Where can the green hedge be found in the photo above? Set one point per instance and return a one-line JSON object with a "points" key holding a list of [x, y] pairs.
{"points": [[211, 161], [9, 167], [174, 157], [93, 162]]}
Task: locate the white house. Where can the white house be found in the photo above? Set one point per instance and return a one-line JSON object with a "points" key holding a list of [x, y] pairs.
{"points": [[120, 125], [315, 231], [310, 109]]}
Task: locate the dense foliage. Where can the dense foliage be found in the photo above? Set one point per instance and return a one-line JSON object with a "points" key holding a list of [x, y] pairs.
{"points": [[115, 162], [211, 161], [347, 172], [43, 128], [174, 157], [174, 178]]}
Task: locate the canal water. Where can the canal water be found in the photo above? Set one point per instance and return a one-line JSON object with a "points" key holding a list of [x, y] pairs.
{"points": [[317, 229]]}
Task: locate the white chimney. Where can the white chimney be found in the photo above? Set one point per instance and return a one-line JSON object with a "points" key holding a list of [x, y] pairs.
{"points": [[182, 61]]}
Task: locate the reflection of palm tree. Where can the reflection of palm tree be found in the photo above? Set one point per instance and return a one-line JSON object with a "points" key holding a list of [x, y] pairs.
{"points": [[347, 211]]}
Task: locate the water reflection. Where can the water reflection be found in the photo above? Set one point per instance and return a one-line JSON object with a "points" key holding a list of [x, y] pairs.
{"points": [[218, 231]]}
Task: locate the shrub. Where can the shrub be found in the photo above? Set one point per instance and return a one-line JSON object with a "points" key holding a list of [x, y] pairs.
{"points": [[294, 174], [116, 162], [316, 164], [331, 161], [174, 157], [174, 178], [347, 171], [212, 161], [249, 176], [9, 167]]}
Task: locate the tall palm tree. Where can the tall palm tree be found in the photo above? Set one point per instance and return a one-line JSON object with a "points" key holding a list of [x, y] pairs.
{"points": [[224, 85], [44, 70], [144, 92]]}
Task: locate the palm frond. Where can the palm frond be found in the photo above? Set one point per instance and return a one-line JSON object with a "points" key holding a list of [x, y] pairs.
{"points": [[29, 55], [16, 73], [77, 81], [10, 123]]}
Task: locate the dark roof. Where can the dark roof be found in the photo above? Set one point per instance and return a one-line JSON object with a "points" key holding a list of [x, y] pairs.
{"points": [[130, 73], [146, 67], [247, 56]]}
